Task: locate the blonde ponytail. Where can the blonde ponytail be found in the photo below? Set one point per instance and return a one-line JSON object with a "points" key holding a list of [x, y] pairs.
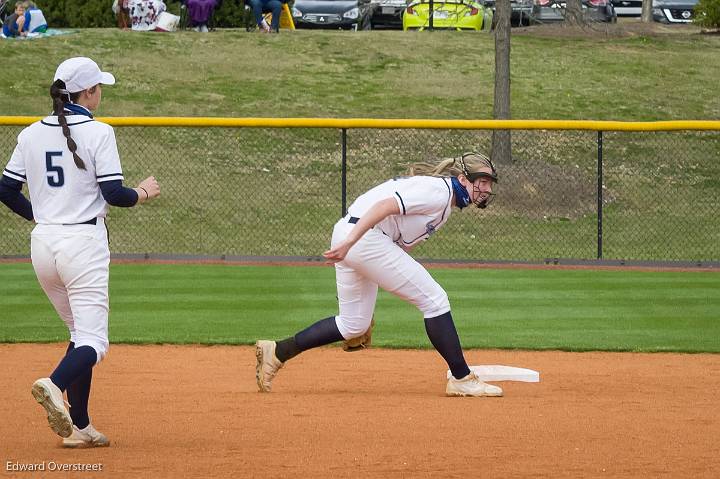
{"points": [[466, 164], [444, 168]]}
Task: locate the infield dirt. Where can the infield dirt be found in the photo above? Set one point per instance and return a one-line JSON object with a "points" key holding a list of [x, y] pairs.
{"points": [[193, 411]]}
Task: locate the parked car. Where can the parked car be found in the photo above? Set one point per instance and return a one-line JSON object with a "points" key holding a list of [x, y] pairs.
{"points": [[627, 8], [447, 14], [554, 11], [339, 14], [521, 11], [387, 13], [674, 11]]}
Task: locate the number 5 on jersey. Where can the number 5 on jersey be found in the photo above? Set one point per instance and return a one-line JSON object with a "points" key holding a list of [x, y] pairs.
{"points": [[55, 174]]}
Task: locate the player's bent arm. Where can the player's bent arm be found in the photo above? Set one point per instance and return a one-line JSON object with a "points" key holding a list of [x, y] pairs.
{"points": [[378, 212], [117, 195], [12, 197]]}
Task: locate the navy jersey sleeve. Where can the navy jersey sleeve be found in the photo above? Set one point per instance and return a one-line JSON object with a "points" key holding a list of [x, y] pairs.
{"points": [[117, 195], [12, 197]]}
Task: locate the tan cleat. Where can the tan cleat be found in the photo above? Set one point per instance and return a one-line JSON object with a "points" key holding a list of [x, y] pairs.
{"points": [[88, 437], [267, 365], [50, 397], [471, 385]]}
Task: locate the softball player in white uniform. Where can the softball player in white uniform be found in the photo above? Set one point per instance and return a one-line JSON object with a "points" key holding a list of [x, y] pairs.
{"points": [[370, 249], [71, 165]]}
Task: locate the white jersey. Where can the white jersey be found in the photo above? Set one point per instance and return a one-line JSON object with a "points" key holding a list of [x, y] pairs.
{"points": [[424, 202], [34, 21], [60, 192]]}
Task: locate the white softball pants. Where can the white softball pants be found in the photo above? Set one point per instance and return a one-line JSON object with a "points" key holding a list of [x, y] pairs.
{"points": [[72, 265], [376, 261]]}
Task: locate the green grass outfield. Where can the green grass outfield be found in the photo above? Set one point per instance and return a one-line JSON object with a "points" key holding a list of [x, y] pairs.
{"points": [[573, 310], [379, 74]]}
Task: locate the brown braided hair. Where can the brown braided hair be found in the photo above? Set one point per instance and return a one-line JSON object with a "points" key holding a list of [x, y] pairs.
{"points": [[60, 96]]}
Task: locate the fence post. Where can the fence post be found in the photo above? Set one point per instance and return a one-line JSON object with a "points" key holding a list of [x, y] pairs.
{"points": [[600, 195], [343, 173]]}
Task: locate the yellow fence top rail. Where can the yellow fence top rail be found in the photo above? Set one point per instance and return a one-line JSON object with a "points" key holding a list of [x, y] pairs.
{"points": [[350, 123]]}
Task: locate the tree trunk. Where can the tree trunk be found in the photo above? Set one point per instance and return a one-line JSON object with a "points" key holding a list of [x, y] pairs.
{"points": [[574, 13], [501, 152], [647, 16]]}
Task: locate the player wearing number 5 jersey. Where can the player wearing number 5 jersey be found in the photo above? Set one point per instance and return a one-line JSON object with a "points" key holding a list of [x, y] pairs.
{"points": [[370, 248], [71, 165]]}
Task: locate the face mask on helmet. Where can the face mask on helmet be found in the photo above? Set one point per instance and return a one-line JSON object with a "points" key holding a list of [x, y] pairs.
{"points": [[482, 204]]}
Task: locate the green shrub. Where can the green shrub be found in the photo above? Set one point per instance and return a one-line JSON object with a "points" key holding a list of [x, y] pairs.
{"points": [[231, 14], [98, 13], [707, 13], [74, 14]]}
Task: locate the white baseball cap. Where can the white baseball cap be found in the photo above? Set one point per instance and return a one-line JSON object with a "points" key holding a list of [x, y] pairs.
{"points": [[81, 73]]}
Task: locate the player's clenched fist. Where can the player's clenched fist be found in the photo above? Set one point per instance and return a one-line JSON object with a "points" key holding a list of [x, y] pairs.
{"points": [[148, 188]]}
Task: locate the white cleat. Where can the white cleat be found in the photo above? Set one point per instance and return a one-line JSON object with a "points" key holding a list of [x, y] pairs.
{"points": [[471, 385], [267, 365], [88, 437], [50, 397]]}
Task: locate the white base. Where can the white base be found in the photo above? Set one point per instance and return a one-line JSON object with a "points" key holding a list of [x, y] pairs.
{"points": [[504, 373]]}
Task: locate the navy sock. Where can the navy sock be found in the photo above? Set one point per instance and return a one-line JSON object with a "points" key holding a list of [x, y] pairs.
{"points": [[443, 335], [287, 349], [75, 364], [321, 333], [78, 394]]}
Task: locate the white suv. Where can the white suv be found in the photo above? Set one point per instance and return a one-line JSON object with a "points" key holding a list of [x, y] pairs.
{"points": [[674, 11]]}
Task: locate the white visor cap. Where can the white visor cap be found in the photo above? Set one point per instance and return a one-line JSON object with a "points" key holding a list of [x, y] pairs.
{"points": [[81, 73]]}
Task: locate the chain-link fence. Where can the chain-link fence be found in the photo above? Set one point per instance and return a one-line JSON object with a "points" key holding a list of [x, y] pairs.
{"points": [[278, 191]]}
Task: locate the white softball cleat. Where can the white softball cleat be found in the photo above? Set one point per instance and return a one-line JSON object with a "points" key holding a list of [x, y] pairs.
{"points": [[267, 365], [471, 385], [50, 397], [88, 437]]}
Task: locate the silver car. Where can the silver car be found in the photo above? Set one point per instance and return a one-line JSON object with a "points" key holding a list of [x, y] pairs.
{"points": [[628, 8], [521, 10], [546, 11]]}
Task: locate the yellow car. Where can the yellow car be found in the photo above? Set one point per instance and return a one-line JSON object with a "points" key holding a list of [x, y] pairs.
{"points": [[447, 15]]}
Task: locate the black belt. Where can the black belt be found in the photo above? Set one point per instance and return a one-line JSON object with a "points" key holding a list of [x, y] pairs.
{"points": [[88, 222], [353, 219]]}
